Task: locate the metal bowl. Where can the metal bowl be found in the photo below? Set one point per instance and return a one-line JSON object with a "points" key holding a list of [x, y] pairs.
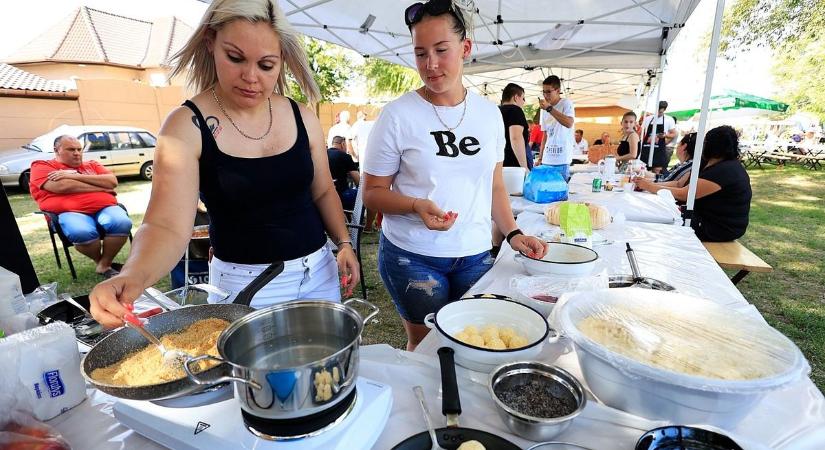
{"points": [[529, 427], [623, 281]]}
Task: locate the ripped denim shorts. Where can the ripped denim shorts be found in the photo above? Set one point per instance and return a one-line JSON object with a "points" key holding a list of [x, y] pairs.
{"points": [[421, 284]]}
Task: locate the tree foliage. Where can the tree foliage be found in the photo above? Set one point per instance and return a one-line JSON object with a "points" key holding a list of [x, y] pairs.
{"points": [[330, 67], [386, 78], [794, 30]]}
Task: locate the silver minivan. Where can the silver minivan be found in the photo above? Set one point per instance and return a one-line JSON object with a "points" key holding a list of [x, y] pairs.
{"points": [[123, 150]]}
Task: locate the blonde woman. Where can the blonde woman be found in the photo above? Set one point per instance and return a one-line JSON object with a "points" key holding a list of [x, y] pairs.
{"points": [[256, 158], [433, 168]]}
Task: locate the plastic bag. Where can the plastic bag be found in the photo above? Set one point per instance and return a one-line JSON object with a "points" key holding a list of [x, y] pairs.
{"points": [[20, 430], [42, 297], [545, 184], [42, 375]]}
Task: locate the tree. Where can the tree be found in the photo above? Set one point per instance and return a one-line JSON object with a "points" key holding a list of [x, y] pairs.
{"points": [[386, 78], [792, 28], [330, 67]]}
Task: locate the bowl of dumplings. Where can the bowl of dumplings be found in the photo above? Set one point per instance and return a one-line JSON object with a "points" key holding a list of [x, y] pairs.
{"points": [[485, 333]]}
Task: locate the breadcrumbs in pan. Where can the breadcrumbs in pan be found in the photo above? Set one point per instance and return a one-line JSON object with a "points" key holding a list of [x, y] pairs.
{"points": [[145, 367]]}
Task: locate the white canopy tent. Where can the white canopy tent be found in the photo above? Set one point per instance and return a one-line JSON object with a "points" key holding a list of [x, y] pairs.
{"points": [[603, 50]]}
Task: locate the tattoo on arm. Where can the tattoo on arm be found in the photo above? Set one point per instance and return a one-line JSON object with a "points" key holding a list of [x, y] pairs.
{"points": [[212, 122]]}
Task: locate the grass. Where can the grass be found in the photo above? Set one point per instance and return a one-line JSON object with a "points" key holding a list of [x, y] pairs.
{"points": [[787, 224]]}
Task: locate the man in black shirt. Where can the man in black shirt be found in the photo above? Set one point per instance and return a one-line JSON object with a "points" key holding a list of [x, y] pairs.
{"points": [[515, 127], [341, 165]]}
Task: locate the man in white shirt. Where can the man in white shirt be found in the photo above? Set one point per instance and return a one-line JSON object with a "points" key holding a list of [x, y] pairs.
{"points": [[581, 143], [664, 133], [557, 118], [359, 134], [343, 129]]}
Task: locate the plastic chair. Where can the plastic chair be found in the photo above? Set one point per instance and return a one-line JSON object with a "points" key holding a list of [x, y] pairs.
{"points": [[56, 229]]}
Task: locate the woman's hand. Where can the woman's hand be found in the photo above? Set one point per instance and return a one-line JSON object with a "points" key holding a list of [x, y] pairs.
{"points": [[113, 298], [348, 268], [529, 245], [432, 216]]}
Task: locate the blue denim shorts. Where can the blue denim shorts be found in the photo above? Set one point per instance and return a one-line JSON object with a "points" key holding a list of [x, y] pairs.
{"points": [[421, 284], [83, 228]]}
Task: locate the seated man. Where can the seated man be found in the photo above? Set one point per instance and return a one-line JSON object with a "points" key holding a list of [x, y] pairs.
{"points": [[83, 197], [341, 165]]}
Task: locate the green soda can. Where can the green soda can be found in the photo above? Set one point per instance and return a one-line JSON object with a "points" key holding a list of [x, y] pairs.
{"points": [[597, 184]]}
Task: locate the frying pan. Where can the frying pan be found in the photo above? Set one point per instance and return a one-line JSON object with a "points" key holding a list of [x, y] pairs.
{"points": [[122, 342], [451, 436]]}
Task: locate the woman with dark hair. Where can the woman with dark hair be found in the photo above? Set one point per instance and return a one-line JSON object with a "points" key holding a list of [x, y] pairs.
{"points": [[629, 145], [433, 166], [723, 190], [679, 175]]}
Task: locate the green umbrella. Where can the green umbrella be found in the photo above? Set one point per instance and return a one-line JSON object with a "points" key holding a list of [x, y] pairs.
{"points": [[732, 100]]}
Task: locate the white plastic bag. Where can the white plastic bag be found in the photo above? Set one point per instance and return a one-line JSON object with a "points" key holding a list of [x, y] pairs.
{"points": [[43, 376]]}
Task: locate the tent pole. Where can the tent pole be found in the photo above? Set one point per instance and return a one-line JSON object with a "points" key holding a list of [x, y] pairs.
{"points": [[652, 142], [704, 111]]}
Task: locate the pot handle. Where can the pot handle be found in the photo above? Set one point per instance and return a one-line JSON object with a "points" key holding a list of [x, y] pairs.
{"points": [[374, 310], [218, 380], [429, 320]]}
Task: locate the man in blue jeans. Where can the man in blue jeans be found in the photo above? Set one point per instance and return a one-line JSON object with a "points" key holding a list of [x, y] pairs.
{"points": [[82, 195]]}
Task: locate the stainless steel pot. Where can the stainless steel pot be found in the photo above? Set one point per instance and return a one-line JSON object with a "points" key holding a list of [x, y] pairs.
{"points": [[279, 354]]}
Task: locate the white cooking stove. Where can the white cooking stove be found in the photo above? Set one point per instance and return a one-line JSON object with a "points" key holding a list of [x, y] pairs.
{"points": [[219, 425]]}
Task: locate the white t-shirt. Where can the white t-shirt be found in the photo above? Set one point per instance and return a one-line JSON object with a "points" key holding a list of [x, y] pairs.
{"points": [[453, 169], [669, 124], [581, 147], [339, 129], [360, 133], [560, 140]]}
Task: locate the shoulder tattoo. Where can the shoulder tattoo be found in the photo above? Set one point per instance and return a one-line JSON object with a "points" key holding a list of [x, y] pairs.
{"points": [[212, 122]]}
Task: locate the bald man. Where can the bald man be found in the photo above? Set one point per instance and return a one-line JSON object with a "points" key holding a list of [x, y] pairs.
{"points": [[83, 197]]}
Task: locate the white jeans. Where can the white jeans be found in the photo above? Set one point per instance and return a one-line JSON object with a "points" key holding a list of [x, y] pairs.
{"points": [[314, 277]]}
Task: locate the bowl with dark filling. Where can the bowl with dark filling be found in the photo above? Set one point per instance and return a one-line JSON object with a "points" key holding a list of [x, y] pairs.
{"points": [[536, 401]]}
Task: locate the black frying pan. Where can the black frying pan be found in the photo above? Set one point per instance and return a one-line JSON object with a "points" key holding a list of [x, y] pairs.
{"points": [[119, 344], [451, 437]]}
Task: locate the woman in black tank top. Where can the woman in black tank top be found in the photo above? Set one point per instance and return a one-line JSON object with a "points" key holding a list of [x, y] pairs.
{"points": [[256, 158], [629, 145]]}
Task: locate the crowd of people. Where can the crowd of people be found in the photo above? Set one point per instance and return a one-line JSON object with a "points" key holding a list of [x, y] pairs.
{"points": [[431, 164]]}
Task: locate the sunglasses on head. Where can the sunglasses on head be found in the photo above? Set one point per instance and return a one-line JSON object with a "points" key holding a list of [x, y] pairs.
{"points": [[416, 11]]}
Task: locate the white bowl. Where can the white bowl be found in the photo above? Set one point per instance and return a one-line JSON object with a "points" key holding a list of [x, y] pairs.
{"points": [[653, 392], [514, 179], [452, 318], [561, 259]]}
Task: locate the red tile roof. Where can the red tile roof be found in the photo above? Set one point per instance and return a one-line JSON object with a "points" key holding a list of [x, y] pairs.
{"points": [[13, 78], [93, 36]]}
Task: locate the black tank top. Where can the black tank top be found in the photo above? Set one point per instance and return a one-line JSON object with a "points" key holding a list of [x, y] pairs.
{"points": [[624, 148], [260, 209]]}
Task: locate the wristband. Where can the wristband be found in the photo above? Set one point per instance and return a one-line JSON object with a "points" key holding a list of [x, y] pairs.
{"points": [[513, 234], [345, 242]]}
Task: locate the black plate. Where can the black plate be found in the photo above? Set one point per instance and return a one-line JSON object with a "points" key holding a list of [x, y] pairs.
{"points": [[451, 438], [685, 438], [64, 311]]}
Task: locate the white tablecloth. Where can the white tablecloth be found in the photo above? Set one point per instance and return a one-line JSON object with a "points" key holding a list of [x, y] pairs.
{"points": [[789, 419], [634, 206]]}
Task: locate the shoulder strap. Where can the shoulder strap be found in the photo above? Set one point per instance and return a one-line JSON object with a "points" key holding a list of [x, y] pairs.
{"points": [[206, 134], [302, 131]]}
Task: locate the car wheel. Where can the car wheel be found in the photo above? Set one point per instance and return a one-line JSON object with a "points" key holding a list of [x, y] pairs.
{"points": [[146, 171], [25, 177]]}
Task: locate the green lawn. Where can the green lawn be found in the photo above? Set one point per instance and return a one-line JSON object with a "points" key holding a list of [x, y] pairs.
{"points": [[786, 230]]}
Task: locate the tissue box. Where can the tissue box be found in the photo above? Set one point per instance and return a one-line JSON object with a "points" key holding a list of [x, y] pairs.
{"points": [[43, 377]]}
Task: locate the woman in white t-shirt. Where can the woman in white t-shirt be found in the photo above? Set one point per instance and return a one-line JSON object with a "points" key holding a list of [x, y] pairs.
{"points": [[433, 167]]}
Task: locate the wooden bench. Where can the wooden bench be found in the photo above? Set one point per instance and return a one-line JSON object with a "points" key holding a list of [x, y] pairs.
{"points": [[733, 255]]}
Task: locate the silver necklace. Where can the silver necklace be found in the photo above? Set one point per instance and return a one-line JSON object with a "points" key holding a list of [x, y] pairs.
{"points": [[463, 112], [268, 129]]}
